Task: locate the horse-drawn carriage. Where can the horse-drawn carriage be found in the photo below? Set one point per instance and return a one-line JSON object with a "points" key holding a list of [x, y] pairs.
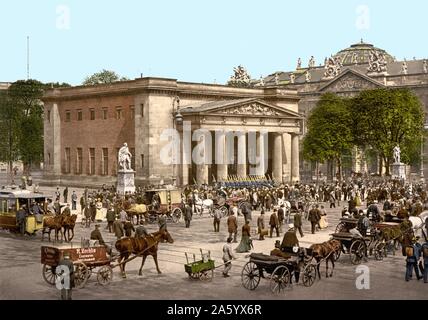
{"points": [[279, 271], [11, 200], [158, 202], [84, 260]]}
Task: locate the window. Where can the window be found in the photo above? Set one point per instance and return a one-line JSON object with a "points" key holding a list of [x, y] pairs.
{"points": [[105, 113], [79, 161], [67, 161], [48, 117], [142, 110], [67, 116], [79, 115], [105, 162], [92, 114], [118, 113], [132, 150], [142, 161], [132, 112], [91, 161]]}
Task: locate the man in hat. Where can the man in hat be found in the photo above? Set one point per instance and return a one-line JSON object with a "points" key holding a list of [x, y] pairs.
{"points": [[274, 223], [21, 216], [65, 270], [314, 217], [188, 213], [290, 239], [297, 223], [232, 227], [96, 235], [118, 229], [413, 253], [111, 217], [261, 225], [228, 256]]}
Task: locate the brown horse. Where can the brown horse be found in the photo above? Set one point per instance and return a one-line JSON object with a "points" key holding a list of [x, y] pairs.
{"points": [[53, 223], [326, 250], [147, 246], [68, 224]]}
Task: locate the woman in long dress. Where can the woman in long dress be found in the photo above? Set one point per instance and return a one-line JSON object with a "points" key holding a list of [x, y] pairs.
{"points": [[323, 220], [99, 209], [246, 243]]}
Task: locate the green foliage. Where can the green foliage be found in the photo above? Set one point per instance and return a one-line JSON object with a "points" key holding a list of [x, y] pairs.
{"points": [[103, 77], [384, 118]]}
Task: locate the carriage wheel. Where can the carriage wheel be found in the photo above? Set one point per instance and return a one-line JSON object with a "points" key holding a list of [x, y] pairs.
{"points": [[341, 227], [104, 275], [176, 215], [280, 279], [309, 275], [224, 211], [206, 275], [81, 274], [357, 251], [194, 276], [250, 276], [49, 274], [379, 251]]}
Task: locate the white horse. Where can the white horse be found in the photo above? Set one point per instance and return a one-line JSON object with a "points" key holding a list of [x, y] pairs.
{"points": [[418, 223], [202, 206]]}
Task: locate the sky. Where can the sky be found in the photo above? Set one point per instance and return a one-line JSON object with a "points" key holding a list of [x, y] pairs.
{"points": [[196, 40]]}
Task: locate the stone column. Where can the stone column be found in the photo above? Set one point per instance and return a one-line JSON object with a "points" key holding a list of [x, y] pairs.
{"points": [[220, 155], [295, 175], [242, 154], [261, 146], [277, 157]]}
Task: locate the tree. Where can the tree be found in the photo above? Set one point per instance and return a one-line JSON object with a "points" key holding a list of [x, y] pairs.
{"points": [[384, 118], [329, 131], [102, 77]]}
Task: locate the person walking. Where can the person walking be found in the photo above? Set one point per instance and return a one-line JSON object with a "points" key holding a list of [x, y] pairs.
{"points": [[281, 217], [228, 256], [261, 225], [74, 201], [274, 223], [111, 217], [413, 253], [118, 229], [298, 222], [65, 194], [21, 216], [232, 227], [246, 243], [217, 219], [313, 217], [187, 215]]}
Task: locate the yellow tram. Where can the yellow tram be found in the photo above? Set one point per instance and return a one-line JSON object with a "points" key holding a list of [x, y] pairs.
{"points": [[11, 200]]}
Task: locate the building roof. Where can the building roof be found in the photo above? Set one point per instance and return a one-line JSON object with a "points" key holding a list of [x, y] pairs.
{"points": [[359, 54]]}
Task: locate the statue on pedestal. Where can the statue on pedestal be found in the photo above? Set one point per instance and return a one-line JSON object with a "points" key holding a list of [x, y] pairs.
{"points": [[125, 158], [397, 154]]}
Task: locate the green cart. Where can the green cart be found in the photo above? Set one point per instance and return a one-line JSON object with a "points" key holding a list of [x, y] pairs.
{"points": [[202, 269]]}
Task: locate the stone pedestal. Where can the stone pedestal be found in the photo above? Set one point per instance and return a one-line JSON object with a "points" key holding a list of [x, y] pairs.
{"points": [[125, 181], [398, 171]]}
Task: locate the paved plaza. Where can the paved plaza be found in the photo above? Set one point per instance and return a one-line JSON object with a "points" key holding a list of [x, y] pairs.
{"points": [[21, 276]]}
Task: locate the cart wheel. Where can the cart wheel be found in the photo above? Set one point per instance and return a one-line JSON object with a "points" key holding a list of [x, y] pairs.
{"points": [[224, 211], [49, 274], [309, 275], [379, 251], [357, 251], [81, 274], [341, 227], [194, 276], [176, 215], [104, 275], [280, 279], [206, 275], [250, 276]]}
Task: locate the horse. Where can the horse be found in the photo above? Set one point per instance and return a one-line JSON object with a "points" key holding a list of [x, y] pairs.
{"points": [[53, 223], [418, 224], [326, 250], [203, 204], [147, 246], [68, 224]]}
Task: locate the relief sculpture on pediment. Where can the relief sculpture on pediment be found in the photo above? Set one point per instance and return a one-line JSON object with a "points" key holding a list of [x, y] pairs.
{"points": [[252, 109]]}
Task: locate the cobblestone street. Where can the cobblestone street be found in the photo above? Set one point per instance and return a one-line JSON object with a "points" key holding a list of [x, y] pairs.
{"points": [[21, 276]]}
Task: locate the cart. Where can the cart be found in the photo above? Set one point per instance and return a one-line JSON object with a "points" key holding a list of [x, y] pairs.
{"points": [[202, 269], [279, 271], [84, 260], [164, 201]]}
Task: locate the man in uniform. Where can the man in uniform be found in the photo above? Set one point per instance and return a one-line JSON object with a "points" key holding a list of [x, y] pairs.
{"points": [[232, 227], [274, 223], [66, 266], [261, 225]]}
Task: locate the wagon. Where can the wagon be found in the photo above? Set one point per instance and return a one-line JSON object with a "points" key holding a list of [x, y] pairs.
{"points": [[84, 260], [278, 271], [11, 200], [202, 269], [164, 201]]}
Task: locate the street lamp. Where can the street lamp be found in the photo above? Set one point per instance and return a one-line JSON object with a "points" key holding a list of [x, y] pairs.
{"points": [[422, 152], [177, 120]]}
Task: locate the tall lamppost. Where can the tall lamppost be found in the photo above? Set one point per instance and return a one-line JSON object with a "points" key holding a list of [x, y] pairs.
{"points": [[422, 152], [176, 121]]}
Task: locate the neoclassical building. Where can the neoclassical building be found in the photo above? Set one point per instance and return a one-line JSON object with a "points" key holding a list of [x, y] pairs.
{"points": [[85, 127], [359, 67]]}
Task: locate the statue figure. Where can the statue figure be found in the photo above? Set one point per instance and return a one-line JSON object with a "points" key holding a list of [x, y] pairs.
{"points": [[425, 66], [299, 63], [311, 62], [276, 79], [308, 76], [377, 62], [397, 154], [292, 78], [355, 58], [125, 158], [332, 67], [240, 78], [262, 81], [404, 67]]}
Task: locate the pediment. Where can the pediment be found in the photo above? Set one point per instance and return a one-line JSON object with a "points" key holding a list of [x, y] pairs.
{"points": [[351, 81]]}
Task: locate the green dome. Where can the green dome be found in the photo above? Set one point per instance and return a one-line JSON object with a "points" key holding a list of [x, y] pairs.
{"points": [[359, 53]]}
